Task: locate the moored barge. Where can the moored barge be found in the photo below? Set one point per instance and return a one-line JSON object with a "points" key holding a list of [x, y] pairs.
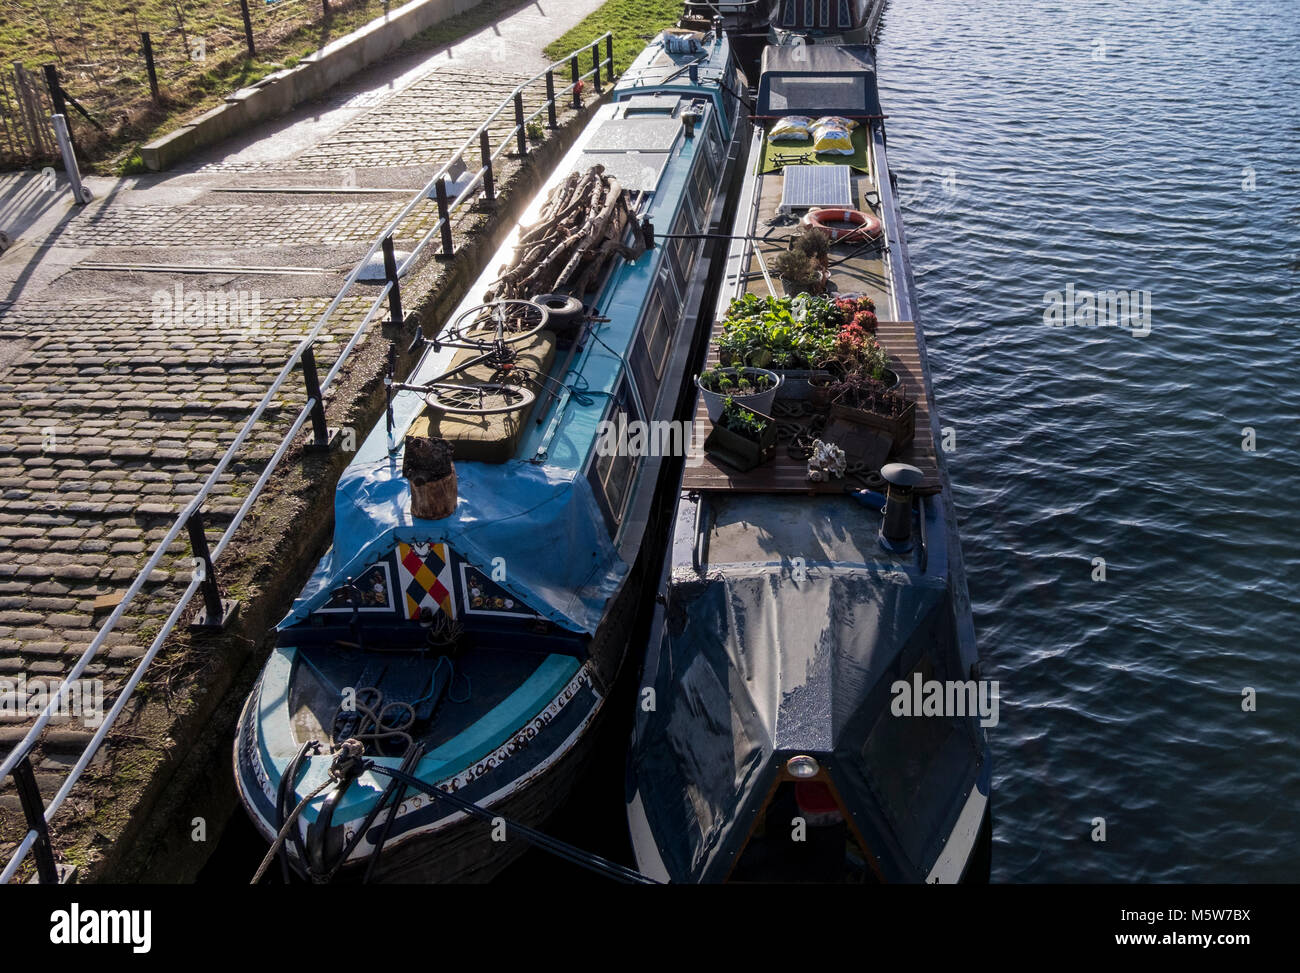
{"points": [[472, 614], [814, 576], [833, 22]]}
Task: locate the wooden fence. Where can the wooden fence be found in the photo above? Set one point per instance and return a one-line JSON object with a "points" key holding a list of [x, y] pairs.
{"points": [[26, 134]]}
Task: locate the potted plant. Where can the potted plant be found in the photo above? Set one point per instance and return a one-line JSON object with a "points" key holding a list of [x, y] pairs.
{"points": [[785, 334], [754, 388], [822, 384], [742, 438], [805, 267], [799, 274], [871, 404]]}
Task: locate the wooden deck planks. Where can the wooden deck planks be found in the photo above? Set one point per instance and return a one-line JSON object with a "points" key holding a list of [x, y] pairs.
{"points": [[861, 274]]}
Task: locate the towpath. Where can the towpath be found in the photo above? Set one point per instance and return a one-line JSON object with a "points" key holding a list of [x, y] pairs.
{"points": [[117, 396]]}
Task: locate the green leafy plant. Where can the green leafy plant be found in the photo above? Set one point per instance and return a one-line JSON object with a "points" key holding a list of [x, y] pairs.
{"points": [[729, 382], [799, 332], [742, 421]]}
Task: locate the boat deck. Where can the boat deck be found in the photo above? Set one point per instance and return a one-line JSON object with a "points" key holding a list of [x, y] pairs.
{"points": [[852, 272]]}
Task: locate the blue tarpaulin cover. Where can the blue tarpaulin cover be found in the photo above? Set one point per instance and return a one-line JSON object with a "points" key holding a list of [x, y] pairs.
{"points": [[543, 520]]}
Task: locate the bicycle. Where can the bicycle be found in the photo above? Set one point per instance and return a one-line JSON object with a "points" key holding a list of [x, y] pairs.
{"points": [[489, 329]]}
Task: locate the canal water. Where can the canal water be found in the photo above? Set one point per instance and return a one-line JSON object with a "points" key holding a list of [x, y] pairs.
{"points": [[1133, 567], [1149, 146]]}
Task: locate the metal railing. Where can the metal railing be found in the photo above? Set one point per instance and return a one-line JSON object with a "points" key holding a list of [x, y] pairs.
{"points": [[215, 614]]}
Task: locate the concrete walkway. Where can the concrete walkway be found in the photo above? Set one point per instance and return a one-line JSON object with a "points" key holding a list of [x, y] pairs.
{"points": [[113, 409]]}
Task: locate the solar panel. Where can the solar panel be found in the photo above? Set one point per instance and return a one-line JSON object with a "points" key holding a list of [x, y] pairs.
{"points": [[804, 186]]}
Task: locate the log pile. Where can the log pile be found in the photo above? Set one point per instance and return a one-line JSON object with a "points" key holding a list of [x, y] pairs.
{"points": [[581, 228]]}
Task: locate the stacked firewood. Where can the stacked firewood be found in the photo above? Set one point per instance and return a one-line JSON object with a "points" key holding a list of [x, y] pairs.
{"points": [[581, 228]]}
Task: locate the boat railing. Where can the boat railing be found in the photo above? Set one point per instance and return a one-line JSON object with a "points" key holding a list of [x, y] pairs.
{"points": [[451, 188]]}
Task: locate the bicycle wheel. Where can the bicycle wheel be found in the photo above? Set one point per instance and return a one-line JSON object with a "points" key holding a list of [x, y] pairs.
{"points": [[487, 399], [513, 320]]}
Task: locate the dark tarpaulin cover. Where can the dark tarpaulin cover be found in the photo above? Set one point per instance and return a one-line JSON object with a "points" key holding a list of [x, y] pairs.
{"points": [[756, 665], [818, 79]]}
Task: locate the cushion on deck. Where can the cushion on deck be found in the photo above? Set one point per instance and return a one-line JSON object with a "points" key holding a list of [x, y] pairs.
{"points": [[490, 439]]}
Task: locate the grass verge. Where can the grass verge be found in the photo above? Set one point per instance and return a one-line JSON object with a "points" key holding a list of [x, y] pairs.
{"points": [[634, 23]]}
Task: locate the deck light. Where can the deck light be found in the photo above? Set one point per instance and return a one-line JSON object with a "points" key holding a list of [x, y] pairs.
{"points": [[802, 767]]}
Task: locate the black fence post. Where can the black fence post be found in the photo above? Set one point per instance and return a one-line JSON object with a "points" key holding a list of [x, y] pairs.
{"points": [[57, 99], [595, 64], [29, 796], [520, 130], [321, 437], [248, 27], [485, 150], [609, 56], [325, 7], [573, 72], [395, 290], [551, 121], [215, 612], [444, 218], [149, 65]]}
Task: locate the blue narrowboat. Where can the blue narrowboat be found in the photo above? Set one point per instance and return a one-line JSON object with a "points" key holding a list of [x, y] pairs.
{"points": [[491, 537]]}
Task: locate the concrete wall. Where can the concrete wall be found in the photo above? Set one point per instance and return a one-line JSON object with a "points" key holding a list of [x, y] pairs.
{"points": [[279, 92]]}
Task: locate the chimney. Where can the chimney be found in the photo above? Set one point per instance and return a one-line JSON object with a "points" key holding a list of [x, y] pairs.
{"points": [[896, 529]]}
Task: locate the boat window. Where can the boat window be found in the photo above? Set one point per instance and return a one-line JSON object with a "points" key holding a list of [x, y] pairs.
{"points": [[808, 14], [824, 18], [790, 6], [801, 835], [666, 287], [650, 352], [702, 187], [612, 474], [845, 20], [684, 250], [656, 332]]}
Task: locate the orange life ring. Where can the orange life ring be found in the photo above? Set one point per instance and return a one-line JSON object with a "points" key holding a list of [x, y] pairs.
{"points": [[865, 226]]}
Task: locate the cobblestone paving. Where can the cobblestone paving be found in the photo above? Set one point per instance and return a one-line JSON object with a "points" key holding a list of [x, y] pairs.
{"points": [[425, 123], [111, 421], [241, 224]]}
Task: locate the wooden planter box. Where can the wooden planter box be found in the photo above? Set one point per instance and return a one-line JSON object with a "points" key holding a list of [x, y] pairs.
{"points": [[738, 452], [899, 431]]}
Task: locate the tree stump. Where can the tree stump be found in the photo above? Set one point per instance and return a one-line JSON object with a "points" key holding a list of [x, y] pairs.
{"points": [[427, 465]]}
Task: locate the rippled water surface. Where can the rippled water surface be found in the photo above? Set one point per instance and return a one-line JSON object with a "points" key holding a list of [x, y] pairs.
{"points": [[1144, 146]]}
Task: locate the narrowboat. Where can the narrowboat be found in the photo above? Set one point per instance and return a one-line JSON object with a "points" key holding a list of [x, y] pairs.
{"points": [[491, 537], [811, 707], [833, 22], [746, 23]]}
